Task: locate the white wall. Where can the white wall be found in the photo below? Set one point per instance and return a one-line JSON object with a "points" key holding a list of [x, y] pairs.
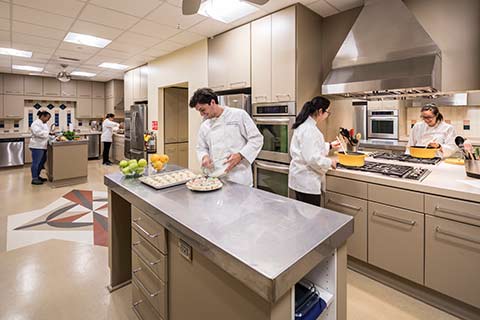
{"points": [[185, 65]]}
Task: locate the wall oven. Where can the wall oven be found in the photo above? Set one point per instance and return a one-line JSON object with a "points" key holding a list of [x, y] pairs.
{"points": [[272, 177], [383, 124], [274, 121]]}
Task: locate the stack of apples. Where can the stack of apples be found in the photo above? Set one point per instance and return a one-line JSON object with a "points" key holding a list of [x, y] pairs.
{"points": [[159, 161], [131, 168]]}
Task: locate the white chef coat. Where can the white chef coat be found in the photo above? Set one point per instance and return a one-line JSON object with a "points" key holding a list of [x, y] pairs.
{"points": [[309, 164], [443, 133], [108, 126], [40, 134], [232, 132]]}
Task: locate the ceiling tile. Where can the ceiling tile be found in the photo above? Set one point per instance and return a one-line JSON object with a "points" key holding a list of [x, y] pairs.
{"points": [[4, 10], [95, 30], [209, 27], [167, 46], [41, 18], [186, 38], [29, 62], [35, 30], [69, 8], [137, 8], [5, 69], [126, 48], [96, 60], [73, 54], [107, 17], [136, 61], [34, 40], [5, 62], [41, 56], [172, 16], [78, 48], [4, 24], [5, 36], [323, 8], [108, 52], [154, 30], [34, 48], [155, 52], [343, 5], [135, 39]]}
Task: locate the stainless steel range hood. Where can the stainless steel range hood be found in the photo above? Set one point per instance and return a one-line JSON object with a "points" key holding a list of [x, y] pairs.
{"points": [[387, 52]]}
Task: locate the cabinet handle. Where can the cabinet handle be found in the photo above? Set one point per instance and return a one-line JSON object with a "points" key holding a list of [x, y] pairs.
{"points": [[135, 304], [239, 83], [141, 256], [384, 216], [341, 204], [283, 95], [137, 270], [456, 235], [152, 295], [150, 235], [457, 213]]}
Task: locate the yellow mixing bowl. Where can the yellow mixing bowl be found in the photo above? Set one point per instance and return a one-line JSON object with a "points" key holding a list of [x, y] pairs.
{"points": [[352, 159], [422, 152]]}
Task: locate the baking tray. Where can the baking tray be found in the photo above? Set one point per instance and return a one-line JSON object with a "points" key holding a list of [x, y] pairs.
{"points": [[142, 180]]}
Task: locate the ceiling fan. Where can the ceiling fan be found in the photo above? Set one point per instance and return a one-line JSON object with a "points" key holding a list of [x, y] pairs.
{"points": [[191, 6], [63, 75]]}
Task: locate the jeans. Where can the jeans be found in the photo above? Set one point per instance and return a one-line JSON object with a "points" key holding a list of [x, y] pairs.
{"points": [[39, 157], [313, 199], [106, 151]]}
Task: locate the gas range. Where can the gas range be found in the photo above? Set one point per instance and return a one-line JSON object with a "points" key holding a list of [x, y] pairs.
{"points": [[392, 170], [404, 158]]}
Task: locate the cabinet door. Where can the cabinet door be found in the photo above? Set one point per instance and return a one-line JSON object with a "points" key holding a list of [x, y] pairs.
{"points": [[137, 85], [283, 55], [357, 208], [33, 86], [172, 151], [395, 240], [183, 155], [27, 152], [109, 106], [69, 89], [1, 106], [13, 84], [183, 115], [128, 89], [98, 108], [98, 90], [51, 87], [262, 60], [171, 115], [458, 210], [217, 62], [84, 89], [238, 57], [1, 84], [144, 83], [13, 106], [84, 108], [452, 259], [109, 89]]}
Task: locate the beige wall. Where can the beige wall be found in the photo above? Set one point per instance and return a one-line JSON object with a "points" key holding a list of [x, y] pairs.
{"points": [[187, 65]]}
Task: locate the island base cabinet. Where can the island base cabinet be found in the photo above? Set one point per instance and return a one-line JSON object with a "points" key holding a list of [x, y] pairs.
{"points": [[143, 309], [452, 259], [396, 241]]}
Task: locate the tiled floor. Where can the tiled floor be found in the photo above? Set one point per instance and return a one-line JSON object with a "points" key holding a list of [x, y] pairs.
{"points": [[58, 279]]}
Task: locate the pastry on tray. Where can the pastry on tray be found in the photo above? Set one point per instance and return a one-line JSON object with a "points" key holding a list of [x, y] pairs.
{"points": [[204, 184]]}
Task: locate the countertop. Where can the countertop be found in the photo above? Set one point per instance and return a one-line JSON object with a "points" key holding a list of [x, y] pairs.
{"points": [[266, 241], [12, 135], [68, 142], [445, 179]]}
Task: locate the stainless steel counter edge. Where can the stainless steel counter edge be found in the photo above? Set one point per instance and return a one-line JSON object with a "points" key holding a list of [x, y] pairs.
{"points": [[269, 286], [68, 143]]}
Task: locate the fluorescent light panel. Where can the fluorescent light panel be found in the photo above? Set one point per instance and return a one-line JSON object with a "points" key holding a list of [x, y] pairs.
{"points": [[15, 52], [86, 40], [226, 10], [83, 74], [27, 68], [115, 66]]}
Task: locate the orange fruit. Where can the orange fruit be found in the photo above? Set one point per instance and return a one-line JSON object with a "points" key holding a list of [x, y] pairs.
{"points": [[164, 158], [155, 157], [158, 165]]}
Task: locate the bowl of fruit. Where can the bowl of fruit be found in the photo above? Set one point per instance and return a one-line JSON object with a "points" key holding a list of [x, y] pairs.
{"points": [[133, 168], [159, 162]]}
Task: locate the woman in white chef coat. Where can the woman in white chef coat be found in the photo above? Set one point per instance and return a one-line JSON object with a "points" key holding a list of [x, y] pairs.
{"points": [[227, 135], [434, 131], [309, 152], [108, 127], [38, 145]]}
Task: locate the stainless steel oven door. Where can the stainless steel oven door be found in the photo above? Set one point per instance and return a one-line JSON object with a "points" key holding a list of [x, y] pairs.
{"points": [[272, 177], [383, 127], [277, 133]]}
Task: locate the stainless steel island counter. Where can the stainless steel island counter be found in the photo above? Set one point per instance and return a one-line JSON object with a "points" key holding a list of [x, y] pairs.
{"points": [[264, 241]]}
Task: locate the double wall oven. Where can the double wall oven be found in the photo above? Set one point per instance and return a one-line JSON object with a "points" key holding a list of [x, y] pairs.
{"points": [[274, 121], [383, 124]]}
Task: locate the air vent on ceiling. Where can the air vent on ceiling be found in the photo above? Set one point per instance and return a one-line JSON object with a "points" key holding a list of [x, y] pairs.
{"points": [[68, 59]]}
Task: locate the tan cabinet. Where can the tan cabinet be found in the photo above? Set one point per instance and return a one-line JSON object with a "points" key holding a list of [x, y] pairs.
{"points": [[150, 230], [357, 208], [396, 197], [98, 90], [51, 87], [98, 108], [143, 83], [136, 84], [171, 115], [69, 89], [183, 117], [452, 259], [262, 60], [84, 108], [109, 89], [1, 106], [217, 63], [183, 154], [118, 148], [172, 151], [13, 84], [142, 308], [33, 86], [1, 84], [109, 105], [84, 89], [348, 187], [26, 151], [459, 210], [396, 240], [13, 106], [128, 89]]}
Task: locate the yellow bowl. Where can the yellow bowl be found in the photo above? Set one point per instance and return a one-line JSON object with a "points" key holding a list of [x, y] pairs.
{"points": [[422, 152], [352, 159]]}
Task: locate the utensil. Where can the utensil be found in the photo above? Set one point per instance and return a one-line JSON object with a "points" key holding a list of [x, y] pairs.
{"points": [[344, 149], [460, 141], [345, 133], [469, 149], [433, 140], [358, 136]]}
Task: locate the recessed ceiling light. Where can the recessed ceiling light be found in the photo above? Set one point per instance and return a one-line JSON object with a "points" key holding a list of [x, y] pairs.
{"points": [[226, 10], [83, 74], [15, 52], [111, 65], [27, 68], [86, 40]]}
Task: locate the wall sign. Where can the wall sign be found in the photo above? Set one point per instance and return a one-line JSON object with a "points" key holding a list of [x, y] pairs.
{"points": [[154, 125]]}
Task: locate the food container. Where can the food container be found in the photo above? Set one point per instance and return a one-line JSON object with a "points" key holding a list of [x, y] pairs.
{"points": [[422, 152], [472, 168], [352, 159]]}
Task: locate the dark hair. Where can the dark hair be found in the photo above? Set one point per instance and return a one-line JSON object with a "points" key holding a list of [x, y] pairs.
{"points": [[434, 109], [110, 115], [203, 96], [309, 108], [43, 114]]}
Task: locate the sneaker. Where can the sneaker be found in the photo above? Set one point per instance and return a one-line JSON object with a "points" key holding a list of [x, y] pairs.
{"points": [[43, 179], [107, 163], [37, 182]]}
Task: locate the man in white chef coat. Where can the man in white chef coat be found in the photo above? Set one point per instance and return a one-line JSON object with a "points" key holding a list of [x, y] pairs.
{"points": [[228, 135]]}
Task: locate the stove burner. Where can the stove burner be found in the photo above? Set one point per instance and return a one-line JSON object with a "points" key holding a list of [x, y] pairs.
{"points": [[404, 158], [392, 170]]}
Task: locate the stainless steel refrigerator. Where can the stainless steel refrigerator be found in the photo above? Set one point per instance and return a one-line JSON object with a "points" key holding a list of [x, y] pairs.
{"points": [[138, 126]]}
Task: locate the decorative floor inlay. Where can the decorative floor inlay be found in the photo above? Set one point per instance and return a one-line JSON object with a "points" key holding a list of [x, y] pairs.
{"points": [[79, 215]]}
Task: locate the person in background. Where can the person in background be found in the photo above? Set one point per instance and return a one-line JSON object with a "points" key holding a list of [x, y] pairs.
{"points": [[108, 127], [434, 132], [226, 133], [309, 152], [38, 145]]}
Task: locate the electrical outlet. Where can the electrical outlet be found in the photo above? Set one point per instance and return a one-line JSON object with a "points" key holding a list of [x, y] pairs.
{"points": [[185, 250]]}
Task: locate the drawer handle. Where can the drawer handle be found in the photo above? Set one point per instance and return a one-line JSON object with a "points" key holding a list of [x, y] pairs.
{"points": [[137, 270], [150, 235], [260, 97], [135, 304], [455, 212], [283, 95], [456, 235], [152, 295], [384, 216], [141, 256], [341, 204], [243, 83]]}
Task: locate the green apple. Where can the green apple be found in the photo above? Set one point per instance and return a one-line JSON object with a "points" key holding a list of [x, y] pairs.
{"points": [[142, 163], [132, 161], [139, 170], [123, 164], [126, 171], [133, 166]]}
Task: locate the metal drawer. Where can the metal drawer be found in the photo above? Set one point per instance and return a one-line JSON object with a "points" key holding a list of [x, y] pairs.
{"points": [[152, 231], [143, 309], [348, 187], [463, 211], [396, 197], [154, 259]]}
